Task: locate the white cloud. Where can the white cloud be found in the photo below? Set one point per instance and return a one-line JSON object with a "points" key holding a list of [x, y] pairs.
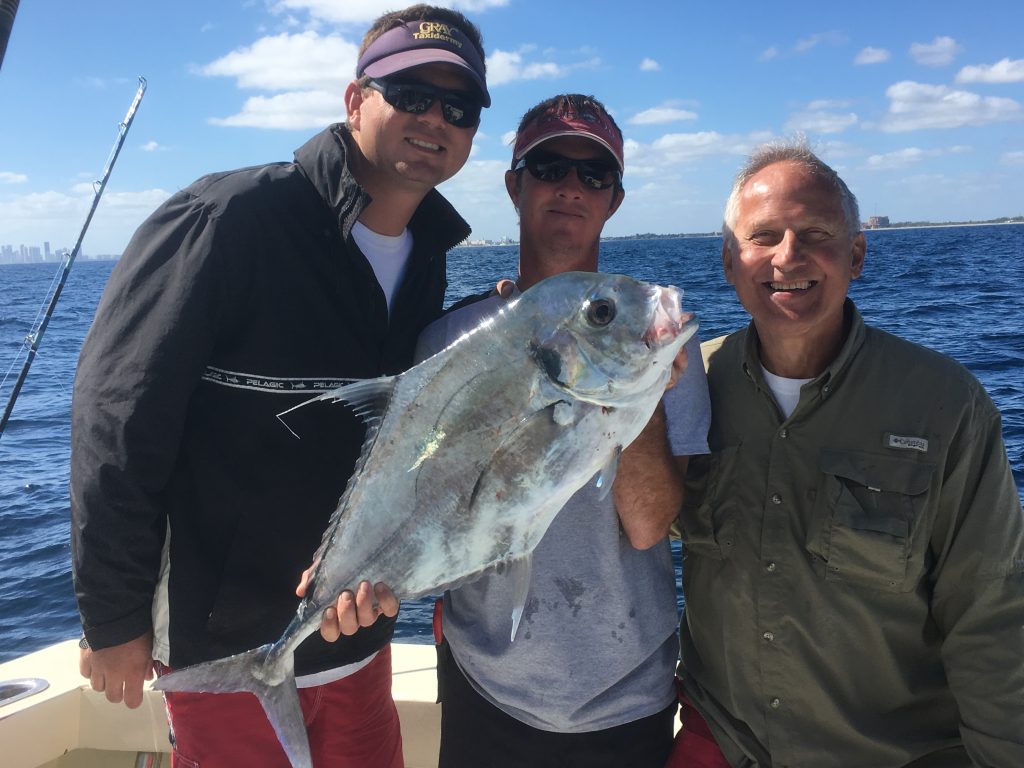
{"points": [[1012, 158], [289, 111], [666, 113], [1003, 71], [871, 55], [902, 158], [820, 121], [152, 146], [916, 106], [828, 104], [283, 62], [60, 216], [937, 53], [768, 54], [368, 10], [509, 66], [9, 177], [649, 65], [813, 41], [652, 159]]}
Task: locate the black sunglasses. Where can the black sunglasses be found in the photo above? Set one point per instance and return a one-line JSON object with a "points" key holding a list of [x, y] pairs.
{"points": [[548, 166], [460, 110]]}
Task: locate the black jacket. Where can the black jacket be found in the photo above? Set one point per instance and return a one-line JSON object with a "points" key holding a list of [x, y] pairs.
{"points": [[239, 298]]}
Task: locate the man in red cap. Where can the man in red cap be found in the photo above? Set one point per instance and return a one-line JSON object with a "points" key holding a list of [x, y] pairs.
{"points": [[588, 677], [194, 509]]}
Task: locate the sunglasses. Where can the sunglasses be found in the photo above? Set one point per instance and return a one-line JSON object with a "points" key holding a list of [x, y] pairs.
{"points": [[416, 98], [547, 166]]}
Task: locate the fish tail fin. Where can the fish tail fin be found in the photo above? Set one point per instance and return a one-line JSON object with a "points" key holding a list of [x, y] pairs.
{"points": [[272, 683]]}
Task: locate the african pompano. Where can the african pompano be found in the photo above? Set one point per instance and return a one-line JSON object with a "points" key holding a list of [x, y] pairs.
{"points": [[470, 454]]}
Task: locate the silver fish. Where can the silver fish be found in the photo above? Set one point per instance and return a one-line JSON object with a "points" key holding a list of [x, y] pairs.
{"points": [[470, 454]]}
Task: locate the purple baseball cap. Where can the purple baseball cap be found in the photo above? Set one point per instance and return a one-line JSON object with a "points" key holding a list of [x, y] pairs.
{"points": [[423, 42]]}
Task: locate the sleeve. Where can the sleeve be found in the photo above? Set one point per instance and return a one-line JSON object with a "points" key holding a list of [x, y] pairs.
{"points": [[688, 406], [139, 364], [978, 593]]}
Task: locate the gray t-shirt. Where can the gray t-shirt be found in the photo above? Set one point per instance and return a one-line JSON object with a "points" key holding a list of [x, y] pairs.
{"points": [[597, 644]]}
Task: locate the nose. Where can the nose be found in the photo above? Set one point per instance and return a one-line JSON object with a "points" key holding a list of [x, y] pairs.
{"points": [[434, 115], [788, 253], [570, 185]]}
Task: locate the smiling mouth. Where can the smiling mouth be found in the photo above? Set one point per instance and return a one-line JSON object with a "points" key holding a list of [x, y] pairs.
{"points": [[797, 285], [425, 145]]}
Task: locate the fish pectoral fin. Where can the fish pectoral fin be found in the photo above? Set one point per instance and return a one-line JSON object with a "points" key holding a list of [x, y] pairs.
{"points": [[369, 398], [520, 571], [606, 477]]}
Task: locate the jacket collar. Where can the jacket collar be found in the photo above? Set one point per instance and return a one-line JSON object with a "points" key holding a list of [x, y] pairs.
{"points": [[324, 161]]}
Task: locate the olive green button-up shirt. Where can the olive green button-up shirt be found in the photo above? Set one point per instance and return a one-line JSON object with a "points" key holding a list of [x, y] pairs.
{"points": [[854, 574]]}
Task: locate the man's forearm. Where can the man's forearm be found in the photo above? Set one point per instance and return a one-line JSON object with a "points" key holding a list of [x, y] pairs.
{"points": [[648, 488]]}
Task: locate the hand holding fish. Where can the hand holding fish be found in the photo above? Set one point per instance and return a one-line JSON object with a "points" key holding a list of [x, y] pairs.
{"points": [[353, 609], [120, 670]]}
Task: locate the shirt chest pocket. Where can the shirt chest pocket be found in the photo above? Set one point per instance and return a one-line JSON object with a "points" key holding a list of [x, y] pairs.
{"points": [[866, 514], [707, 520]]}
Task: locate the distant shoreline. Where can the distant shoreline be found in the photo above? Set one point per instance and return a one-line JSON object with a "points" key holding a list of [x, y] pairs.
{"points": [[696, 235]]}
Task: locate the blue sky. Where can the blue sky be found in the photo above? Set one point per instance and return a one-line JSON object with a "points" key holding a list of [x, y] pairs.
{"points": [[920, 105]]}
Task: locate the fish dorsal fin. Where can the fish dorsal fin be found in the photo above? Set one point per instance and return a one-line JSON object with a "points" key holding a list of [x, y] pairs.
{"points": [[369, 400], [519, 571], [606, 476]]}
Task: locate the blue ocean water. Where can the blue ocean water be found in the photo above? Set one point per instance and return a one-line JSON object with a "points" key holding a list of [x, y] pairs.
{"points": [[956, 289]]}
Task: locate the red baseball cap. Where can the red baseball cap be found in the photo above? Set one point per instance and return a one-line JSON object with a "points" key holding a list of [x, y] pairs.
{"points": [[565, 118]]}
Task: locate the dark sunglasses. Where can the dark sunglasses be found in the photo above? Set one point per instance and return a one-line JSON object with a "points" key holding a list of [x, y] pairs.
{"points": [[548, 166], [460, 110]]}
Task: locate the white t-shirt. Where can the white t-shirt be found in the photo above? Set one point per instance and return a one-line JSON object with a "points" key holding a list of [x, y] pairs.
{"points": [[786, 391], [387, 254]]}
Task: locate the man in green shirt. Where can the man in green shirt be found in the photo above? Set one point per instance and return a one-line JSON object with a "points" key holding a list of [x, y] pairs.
{"points": [[854, 544]]}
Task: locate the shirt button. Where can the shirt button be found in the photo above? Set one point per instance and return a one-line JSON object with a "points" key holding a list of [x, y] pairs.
{"points": [[775, 703], [768, 636], [783, 433], [770, 567], [826, 389], [776, 498]]}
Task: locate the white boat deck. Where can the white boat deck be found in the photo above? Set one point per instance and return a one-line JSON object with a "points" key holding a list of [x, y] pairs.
{"points": [[68, 725]]}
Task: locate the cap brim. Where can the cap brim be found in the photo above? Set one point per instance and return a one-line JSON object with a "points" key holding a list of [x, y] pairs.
{"points": [[583, 134], [406, 60]]}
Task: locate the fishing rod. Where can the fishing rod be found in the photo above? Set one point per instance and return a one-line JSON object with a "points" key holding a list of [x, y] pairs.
{"points": [[36, 336], [8, 10]]}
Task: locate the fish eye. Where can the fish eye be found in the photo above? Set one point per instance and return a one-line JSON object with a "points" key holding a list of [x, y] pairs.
{"points": [[600, 312]]}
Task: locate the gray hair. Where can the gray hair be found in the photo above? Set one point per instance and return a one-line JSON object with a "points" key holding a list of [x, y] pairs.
{"points": [[793, 151]]}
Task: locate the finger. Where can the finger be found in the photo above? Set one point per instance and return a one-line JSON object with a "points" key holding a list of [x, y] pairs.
{"points": [[133, 694], [367, 609], [115, 692], [505, 287], [329, 630], [348, 621], [386, 599], [85, 663], [97, 681], [300, 591]]}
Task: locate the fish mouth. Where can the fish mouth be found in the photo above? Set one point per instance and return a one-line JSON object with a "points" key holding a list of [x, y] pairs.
{"points": [[669, 320], [792, 285]]}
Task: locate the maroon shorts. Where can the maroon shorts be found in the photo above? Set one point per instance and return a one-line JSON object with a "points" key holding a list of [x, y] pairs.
{"points": [[351, 723], [695, 746]]}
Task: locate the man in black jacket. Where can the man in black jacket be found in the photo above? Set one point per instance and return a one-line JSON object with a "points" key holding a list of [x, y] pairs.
{"points": [[194, 509]]}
